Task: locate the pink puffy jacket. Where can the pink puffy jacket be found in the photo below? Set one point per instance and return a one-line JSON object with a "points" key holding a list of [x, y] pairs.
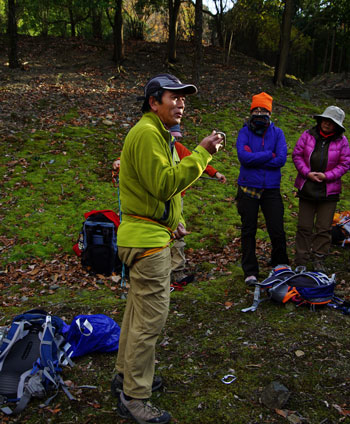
{"points": [[338, 161]]}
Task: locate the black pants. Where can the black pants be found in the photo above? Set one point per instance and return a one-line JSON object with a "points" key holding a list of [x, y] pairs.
{"points": [[272, 208]]}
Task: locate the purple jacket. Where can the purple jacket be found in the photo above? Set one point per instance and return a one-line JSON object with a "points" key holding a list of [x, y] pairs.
{"points": [[338, 161], [261, 157]]}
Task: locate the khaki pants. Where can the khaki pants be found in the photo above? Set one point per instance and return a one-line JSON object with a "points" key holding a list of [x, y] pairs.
{"points": [[314, 229], [178, 259], [144, 317]]}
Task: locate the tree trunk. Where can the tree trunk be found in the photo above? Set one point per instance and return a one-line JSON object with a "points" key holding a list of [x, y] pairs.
{"points": [[224, 47], [311, 63], [44, 15], [229, 48], [340, 60], [332, 52], [341, 52], [218, 24], [325, 56], [282, 58], [347, 54], [118, 51], [12, 33], [198, 47], [72, 22], [96, 23], [174, 8]]}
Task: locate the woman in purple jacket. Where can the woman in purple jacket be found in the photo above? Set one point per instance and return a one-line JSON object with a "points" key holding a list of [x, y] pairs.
{"points": [[262, 151], [321, 156]]}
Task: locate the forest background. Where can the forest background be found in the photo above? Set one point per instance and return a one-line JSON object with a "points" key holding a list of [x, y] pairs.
{"points": [[300, 37], [68, 86]]}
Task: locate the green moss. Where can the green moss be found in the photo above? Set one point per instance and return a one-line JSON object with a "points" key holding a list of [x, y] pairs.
{"points": [[72, 114]]}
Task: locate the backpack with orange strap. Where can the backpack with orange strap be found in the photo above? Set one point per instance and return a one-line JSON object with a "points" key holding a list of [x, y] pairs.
{"points": [[341, 229], [301, 287]]}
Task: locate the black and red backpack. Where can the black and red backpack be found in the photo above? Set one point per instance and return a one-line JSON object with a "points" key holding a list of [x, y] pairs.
{"points": [[97, 243]]}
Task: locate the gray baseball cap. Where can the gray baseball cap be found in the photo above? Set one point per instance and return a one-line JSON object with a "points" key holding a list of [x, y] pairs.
{"points": [[168, 82], [334, 113]]}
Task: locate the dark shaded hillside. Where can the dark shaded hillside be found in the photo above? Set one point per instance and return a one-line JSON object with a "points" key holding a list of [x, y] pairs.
{"points": [[58, 75]]}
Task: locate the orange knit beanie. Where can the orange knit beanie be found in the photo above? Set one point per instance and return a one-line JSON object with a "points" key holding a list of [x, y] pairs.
{"points": [[262, 100]]}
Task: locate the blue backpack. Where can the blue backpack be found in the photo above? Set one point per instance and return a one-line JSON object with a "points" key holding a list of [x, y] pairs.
{"points": [[301, 287], [31, 356]]}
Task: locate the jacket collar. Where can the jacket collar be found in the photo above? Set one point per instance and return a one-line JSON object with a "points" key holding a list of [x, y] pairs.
{"points": [[158, 123], [314, 131]]}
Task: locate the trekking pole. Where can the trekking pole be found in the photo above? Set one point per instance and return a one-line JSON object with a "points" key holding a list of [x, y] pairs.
{"points": [[115, 179], [208, 178]]}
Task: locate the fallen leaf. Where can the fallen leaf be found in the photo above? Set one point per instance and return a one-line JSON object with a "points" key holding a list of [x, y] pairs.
{"points": [[281, 412], [55, 411], [341, 411], [116, 278], [228, 305], [94, 405]]}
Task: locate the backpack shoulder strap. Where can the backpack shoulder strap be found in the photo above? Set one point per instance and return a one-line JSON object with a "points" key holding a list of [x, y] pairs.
{"points": [[46, 353], [16, 332], [51, 352]]}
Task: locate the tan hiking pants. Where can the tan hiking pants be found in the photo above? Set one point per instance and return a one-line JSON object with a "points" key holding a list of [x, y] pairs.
{"points": [[178, 259], [146, 311]]}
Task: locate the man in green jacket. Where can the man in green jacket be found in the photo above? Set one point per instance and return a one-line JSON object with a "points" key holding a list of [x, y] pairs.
{"points": [[150, 185]]}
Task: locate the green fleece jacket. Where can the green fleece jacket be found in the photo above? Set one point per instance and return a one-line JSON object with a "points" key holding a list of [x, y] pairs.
{"points": [[151, 184]]}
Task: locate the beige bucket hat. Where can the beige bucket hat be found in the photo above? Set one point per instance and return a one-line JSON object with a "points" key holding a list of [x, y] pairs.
{"points": [[334, 113]]}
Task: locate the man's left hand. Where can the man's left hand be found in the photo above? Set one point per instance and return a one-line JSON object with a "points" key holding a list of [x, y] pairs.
{"points": [[181, 231]]}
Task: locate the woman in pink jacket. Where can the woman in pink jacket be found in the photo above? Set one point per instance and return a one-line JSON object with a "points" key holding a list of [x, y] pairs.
{"points": [[321, 156]]}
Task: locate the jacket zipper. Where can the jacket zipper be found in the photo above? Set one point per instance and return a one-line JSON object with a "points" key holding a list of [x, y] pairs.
{"points": [[263, 145], [322, 151]]}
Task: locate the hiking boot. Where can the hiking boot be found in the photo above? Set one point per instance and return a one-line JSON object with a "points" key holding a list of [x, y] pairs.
{"points": [[142, 411], [179, 285], [251, 280], [117, 384], [186, 279], [177, 276]]}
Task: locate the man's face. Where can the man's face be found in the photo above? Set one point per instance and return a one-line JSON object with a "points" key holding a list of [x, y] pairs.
{"points": [[171, 109]]}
